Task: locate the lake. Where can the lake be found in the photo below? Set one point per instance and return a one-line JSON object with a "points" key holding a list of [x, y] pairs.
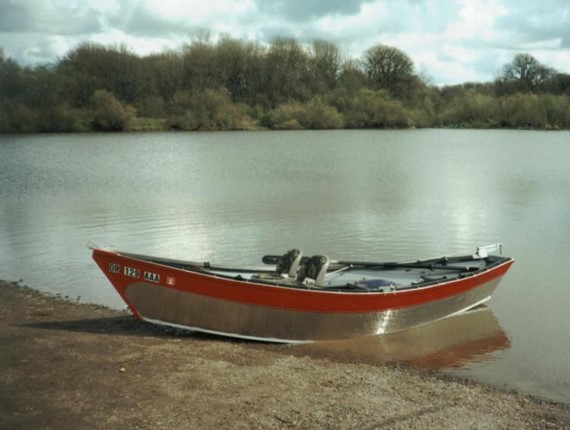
{"points": [[370, 195]]}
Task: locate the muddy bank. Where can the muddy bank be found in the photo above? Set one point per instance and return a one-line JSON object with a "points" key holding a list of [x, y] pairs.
{"points": [[69, 365]]}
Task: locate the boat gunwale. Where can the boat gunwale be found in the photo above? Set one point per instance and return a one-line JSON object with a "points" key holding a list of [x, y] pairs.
{"points": [[206, 270]]}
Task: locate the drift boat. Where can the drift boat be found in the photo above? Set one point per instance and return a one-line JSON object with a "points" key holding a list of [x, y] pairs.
{"points": [[299, 299]]}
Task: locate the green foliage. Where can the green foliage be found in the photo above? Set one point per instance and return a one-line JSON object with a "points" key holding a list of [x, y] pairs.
{"points": [[470, 109], [287, 76], [147, 124], [207, 110], [560, 84], [372, 109], [556, 110], [62, 118], [325, 66], [232, 84], [315, 114], [108, 114], [241, 69], [96, 67], [12, 84], [164, 75], [17, 118], [351, 78], [285, 117], [522, 111], [200, 71], [151, 107]]}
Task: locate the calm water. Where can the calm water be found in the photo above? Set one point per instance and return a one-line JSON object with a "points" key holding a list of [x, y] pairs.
{"points": [[233, 197]]}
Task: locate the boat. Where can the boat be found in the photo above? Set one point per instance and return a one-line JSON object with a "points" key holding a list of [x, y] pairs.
{"points": [[294, 299]]}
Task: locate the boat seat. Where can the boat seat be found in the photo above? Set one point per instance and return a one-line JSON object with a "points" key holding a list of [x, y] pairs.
{"points": [[313, 270], [287, 267], [289, 263]]}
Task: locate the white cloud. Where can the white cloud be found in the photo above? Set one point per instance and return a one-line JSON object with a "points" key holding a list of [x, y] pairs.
{"points": [[476, 20], [198, 12], [451, 40]]}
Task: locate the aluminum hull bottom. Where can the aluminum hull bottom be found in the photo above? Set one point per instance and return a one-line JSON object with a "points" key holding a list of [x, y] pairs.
{"points": [[186, 310]]}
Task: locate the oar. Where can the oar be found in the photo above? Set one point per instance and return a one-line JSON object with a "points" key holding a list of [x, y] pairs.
{"points": [[433, 264], [274, 259]]}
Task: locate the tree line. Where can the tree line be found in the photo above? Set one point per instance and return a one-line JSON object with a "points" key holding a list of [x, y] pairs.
{"points": [[234, 84]]}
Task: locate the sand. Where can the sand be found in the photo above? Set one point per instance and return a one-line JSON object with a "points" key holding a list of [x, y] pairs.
{"points": [[74, 366]]}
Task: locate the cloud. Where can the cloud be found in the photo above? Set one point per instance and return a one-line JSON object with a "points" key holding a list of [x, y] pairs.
{"points": [[539, 28], [305, 10], [62, 18], [141, 20], [451, 40], [545, 24]]}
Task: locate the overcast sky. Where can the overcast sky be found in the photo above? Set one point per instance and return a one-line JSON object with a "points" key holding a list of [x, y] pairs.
{"points": [[450, 41]]}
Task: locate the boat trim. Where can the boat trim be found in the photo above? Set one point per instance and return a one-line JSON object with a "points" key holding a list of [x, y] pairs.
{"points": [[223, 333]]}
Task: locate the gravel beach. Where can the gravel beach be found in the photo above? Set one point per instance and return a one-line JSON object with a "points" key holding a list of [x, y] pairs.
{"points": [[70, 365]]}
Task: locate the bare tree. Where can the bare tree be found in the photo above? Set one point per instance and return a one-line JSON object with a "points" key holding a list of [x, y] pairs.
{"points": [[287, 71], [388, 68], [325, 63], [524, 74]]}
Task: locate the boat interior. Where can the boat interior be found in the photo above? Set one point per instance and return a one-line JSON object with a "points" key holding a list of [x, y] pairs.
{"points": [[294, 270]]}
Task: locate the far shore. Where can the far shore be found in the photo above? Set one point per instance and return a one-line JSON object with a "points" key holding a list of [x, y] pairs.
{"points": [[143, 126], [71, 365]]}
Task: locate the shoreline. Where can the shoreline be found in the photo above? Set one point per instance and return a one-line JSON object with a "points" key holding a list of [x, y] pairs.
{"points": [[268, 129], [73, 365]]}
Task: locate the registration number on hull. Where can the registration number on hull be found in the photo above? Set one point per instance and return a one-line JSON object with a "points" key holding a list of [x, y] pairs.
{"points": [[152, 277], [132, 272]]}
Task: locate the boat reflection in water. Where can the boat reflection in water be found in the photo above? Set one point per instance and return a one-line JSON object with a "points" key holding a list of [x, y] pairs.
{"points": [[451, 343]]}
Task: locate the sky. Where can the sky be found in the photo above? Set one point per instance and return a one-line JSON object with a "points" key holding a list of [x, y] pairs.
{"points": [[449, 41]]}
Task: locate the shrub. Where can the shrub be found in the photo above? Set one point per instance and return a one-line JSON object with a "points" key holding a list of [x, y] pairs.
{"points": [[108, 114], [375, 109], [152, 107], [207, 110], [556, 110], [471, 109], [522, 111], [63, 118], [315, 114], [18, 118]]}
